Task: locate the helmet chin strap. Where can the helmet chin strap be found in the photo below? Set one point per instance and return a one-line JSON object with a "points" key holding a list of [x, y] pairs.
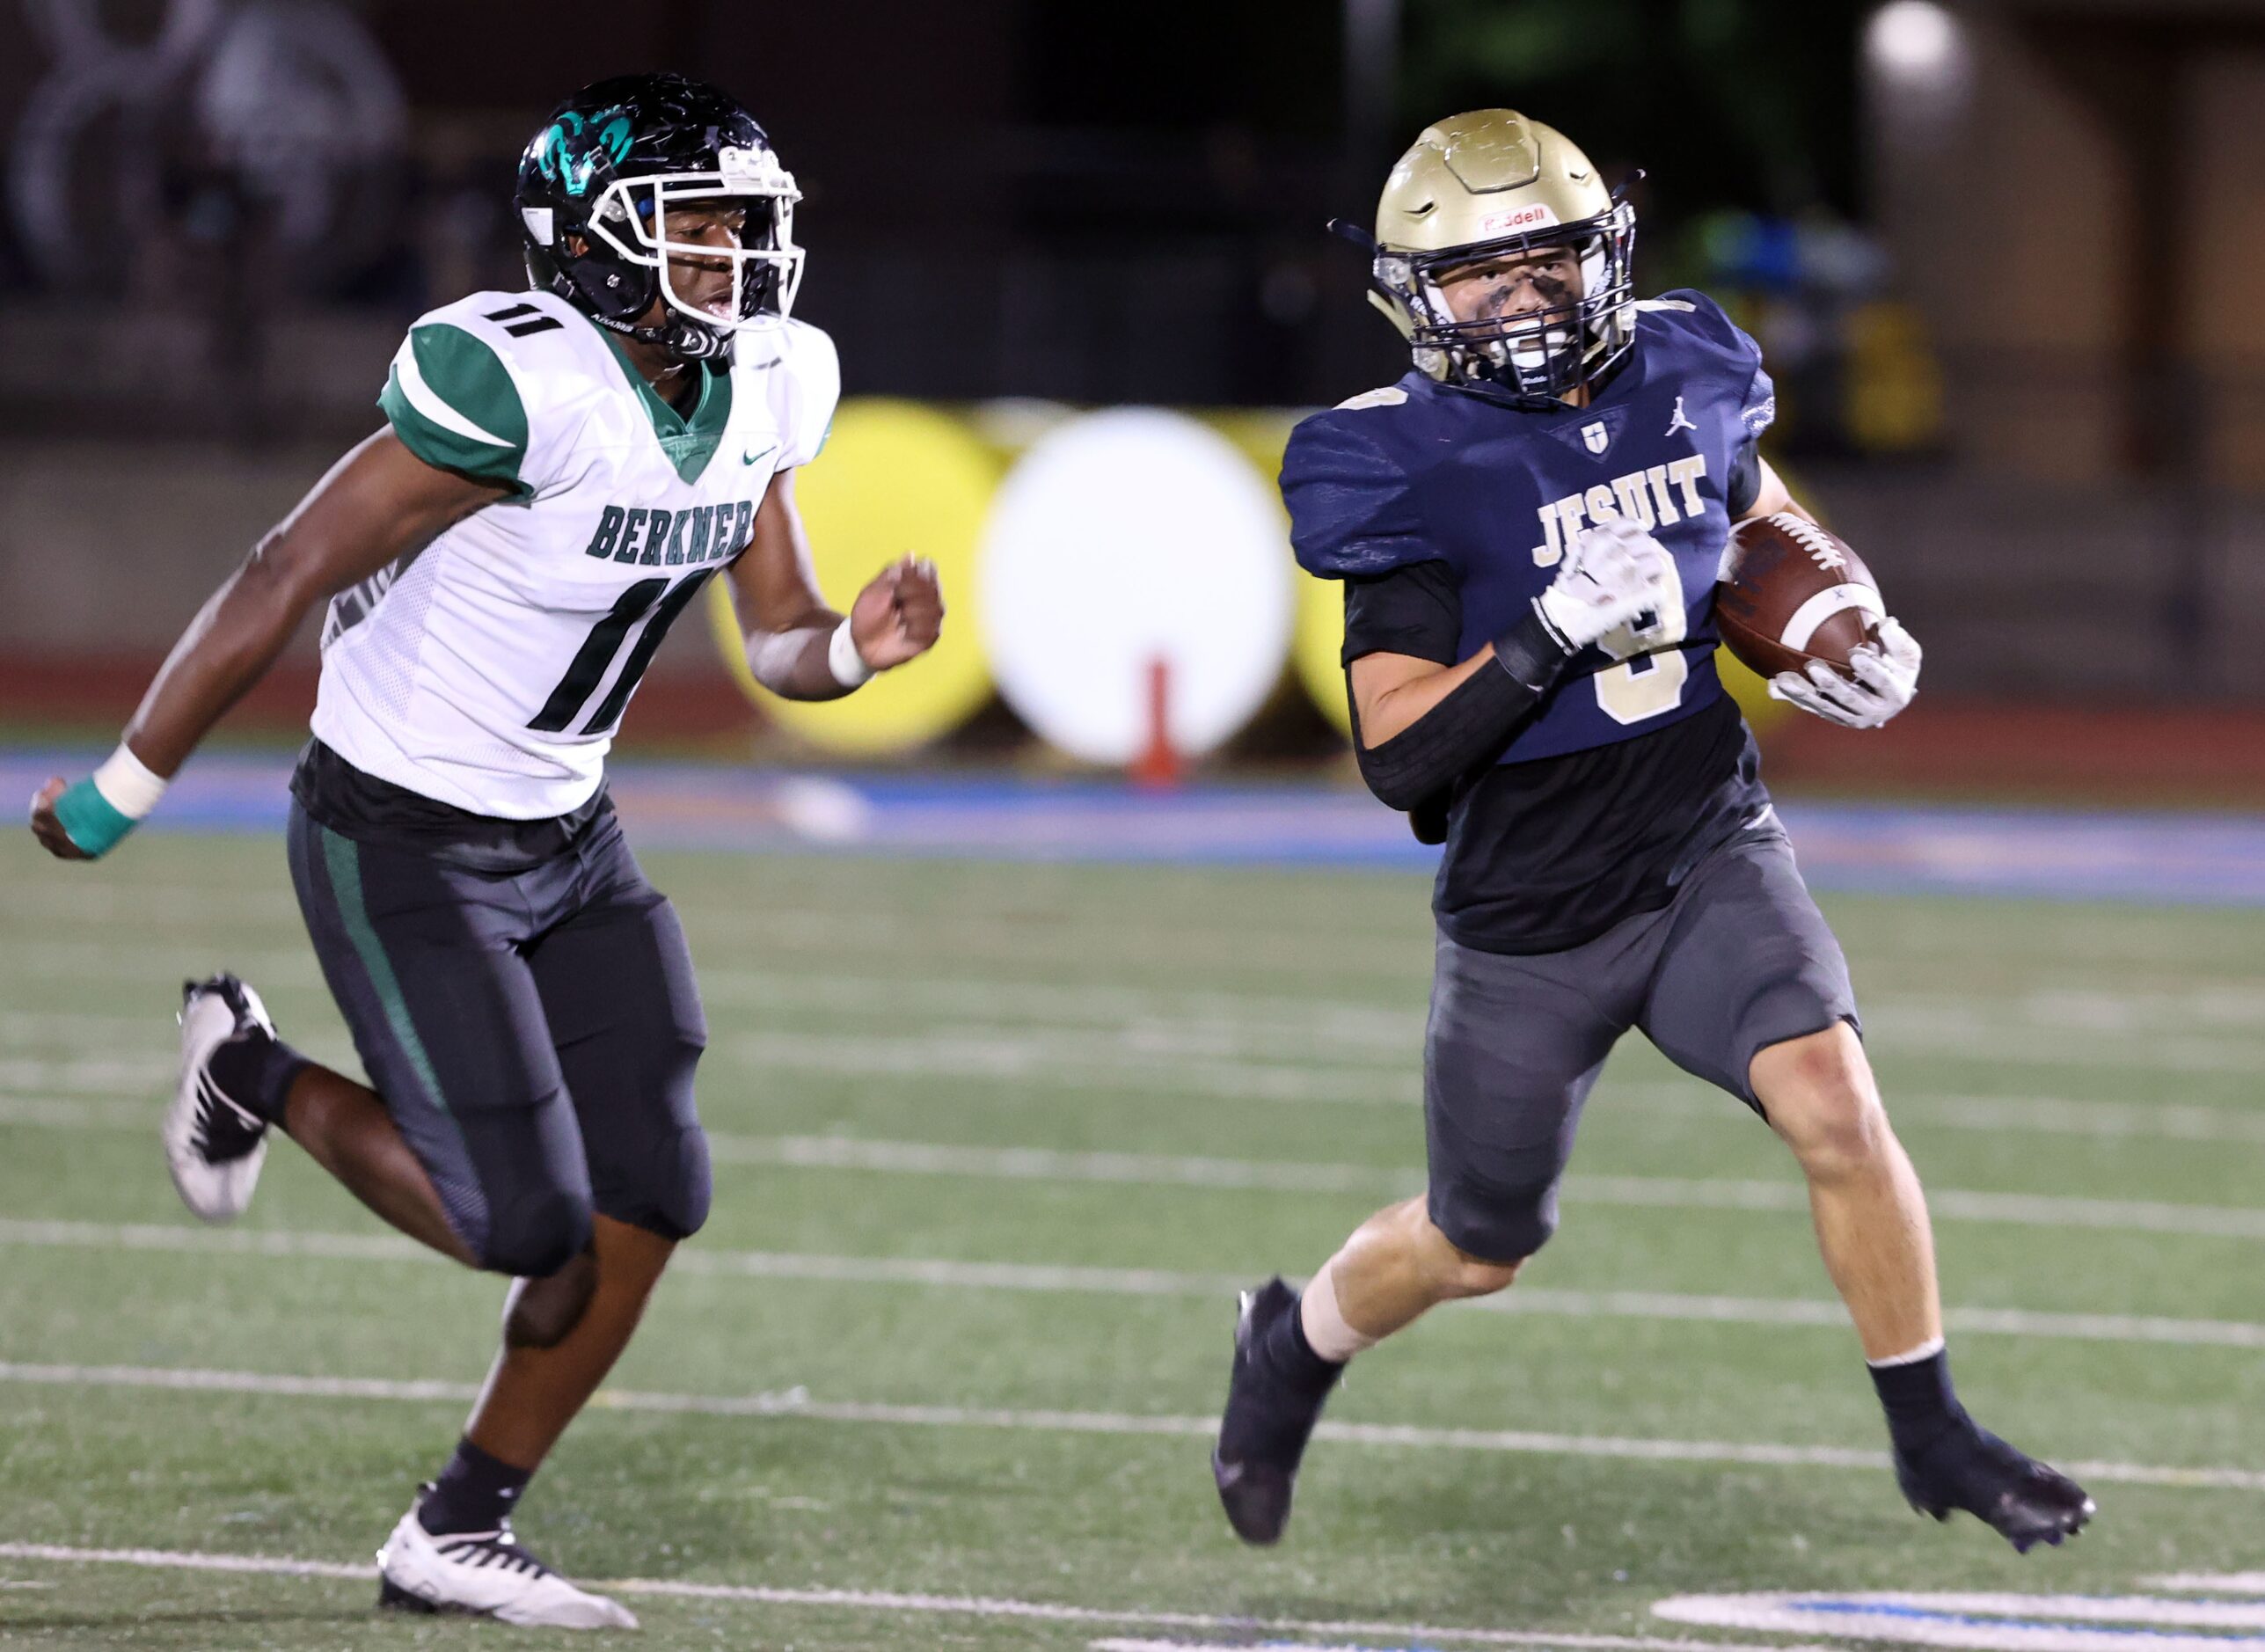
{"points": [[681, 339]]}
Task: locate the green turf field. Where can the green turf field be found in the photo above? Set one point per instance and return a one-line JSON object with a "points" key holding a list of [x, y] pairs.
{"points": [[994, 1144]]}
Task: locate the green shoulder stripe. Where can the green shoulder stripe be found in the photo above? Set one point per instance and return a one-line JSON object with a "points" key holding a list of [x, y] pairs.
{"points": [[451, 401]]}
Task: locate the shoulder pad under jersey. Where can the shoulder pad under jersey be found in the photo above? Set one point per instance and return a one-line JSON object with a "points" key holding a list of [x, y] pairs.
{"points": [[793, 367], [1352, 507], [1703, 339], [481, 386]]}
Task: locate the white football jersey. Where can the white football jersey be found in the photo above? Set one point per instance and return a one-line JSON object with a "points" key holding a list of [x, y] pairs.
{"points": [[489, 670]]}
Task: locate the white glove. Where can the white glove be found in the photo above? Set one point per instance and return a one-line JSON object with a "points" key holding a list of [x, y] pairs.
{"points": [[1887, 674], [1614, 574]]}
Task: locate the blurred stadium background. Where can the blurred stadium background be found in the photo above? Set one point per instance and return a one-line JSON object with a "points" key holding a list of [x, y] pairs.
{"points": [[2003, 258], [994, 1138]]}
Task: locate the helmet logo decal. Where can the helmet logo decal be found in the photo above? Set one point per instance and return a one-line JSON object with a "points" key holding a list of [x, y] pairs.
{"points": [[1534, 215], [612, 144]]}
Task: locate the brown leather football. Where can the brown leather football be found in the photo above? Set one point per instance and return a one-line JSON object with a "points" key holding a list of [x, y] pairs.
{"points": [[1790, 593]]}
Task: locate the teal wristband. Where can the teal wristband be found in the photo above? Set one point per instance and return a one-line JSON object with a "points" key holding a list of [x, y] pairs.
{"points": [[90, 821]]}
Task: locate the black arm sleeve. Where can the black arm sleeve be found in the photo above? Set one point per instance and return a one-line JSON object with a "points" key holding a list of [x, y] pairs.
{"points": [[1418, 766], [1416, 609], [1745, 484]]}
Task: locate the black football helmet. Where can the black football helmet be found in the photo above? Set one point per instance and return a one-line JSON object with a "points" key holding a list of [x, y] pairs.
{"points": [[594, 190]]}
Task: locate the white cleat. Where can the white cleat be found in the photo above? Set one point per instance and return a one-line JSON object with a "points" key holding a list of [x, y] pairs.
{"points": [[487, 1574], [214, 1146]]}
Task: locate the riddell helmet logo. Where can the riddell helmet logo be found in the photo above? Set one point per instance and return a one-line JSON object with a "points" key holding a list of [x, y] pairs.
{"points": [[1538, 215]]}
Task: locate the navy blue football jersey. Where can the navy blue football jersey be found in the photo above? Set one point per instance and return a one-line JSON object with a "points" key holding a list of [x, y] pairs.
{"points": [[1446, 511], [1421, 471]]}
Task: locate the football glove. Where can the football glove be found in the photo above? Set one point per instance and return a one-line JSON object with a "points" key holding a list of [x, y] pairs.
{"points": [[1880, 680], [1614, 574]]}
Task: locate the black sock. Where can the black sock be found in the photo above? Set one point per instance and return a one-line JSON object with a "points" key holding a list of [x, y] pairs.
{"points": [[475, 1492], [1294, 1359], [1919, 1401], [256, 1072]]}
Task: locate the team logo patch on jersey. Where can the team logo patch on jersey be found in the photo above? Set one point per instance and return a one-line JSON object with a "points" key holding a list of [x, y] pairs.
{"points": [[1596, 437]]}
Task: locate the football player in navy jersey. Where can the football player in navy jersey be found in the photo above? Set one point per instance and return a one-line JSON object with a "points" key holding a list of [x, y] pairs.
{"points": [[1528, 527]]}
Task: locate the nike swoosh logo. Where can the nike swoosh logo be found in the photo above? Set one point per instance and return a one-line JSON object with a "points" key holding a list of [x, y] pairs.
{"points": [[746, 457]]}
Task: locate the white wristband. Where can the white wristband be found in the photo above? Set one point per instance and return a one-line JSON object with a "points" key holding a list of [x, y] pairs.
{"points": [[843, 659], [127, 785]]}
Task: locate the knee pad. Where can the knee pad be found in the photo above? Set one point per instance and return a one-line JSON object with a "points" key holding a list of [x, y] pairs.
{"points": [[1494, 1224], [537, 1234], [683, 1185], [670, 1195]]}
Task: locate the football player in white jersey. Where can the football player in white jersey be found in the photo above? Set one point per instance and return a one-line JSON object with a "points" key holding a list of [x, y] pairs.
{"points": [[560, 473]]}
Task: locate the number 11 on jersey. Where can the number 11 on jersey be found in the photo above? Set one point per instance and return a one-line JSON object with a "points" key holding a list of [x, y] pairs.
{"points": [[604, 640]]}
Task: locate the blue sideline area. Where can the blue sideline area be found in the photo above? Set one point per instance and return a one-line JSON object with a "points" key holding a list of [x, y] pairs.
{"points": [[2180, 859]]}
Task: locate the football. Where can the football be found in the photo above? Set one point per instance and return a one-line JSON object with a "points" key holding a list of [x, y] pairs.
{"points": [[1791, 593]]}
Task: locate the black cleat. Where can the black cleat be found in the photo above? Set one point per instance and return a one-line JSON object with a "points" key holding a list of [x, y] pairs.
{"points": [[2025, 1501], [1270, 1415]]}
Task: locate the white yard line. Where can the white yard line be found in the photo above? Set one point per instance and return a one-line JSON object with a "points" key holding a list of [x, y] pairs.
{"points": [[1046, 1163], [1006, 1057], [1643, 1192], [912, 1604], [1058, 1061], [1984, 1622], [149, 1075], [944, 1274], [1062, 1059], [77, 1112], [796, 1404], [2213, 1582], [1034, 1163], [68, 1029], [2095, 1026]]}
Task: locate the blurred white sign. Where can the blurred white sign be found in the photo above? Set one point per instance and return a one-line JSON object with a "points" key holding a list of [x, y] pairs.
{"points": [[1120, 540]]}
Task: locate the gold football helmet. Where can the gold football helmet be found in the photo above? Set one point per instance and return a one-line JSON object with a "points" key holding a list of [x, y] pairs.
{"points": [[1492, 184]]}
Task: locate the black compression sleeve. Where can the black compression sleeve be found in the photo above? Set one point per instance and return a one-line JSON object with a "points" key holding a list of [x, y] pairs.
{"points": [[1745, 484], [1471, 726]]}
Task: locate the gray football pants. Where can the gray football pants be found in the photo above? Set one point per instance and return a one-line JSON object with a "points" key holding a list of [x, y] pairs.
{"points": [[1740, 960]]}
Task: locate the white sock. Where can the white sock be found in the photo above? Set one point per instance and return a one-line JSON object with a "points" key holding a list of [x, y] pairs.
{"points": [[1324, 1321], [1928, 1349]]}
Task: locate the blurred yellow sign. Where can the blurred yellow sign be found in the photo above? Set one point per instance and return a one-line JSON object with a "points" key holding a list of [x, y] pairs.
{"points": [[896, 477], [899, 475], [1320, 641]]}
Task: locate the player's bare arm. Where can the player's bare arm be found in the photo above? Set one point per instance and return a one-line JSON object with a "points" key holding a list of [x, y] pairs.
{"points": [[377, 503], [798, 648]]}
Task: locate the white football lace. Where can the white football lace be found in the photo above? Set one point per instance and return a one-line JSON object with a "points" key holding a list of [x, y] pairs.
{"points": [[1813, 539]]}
